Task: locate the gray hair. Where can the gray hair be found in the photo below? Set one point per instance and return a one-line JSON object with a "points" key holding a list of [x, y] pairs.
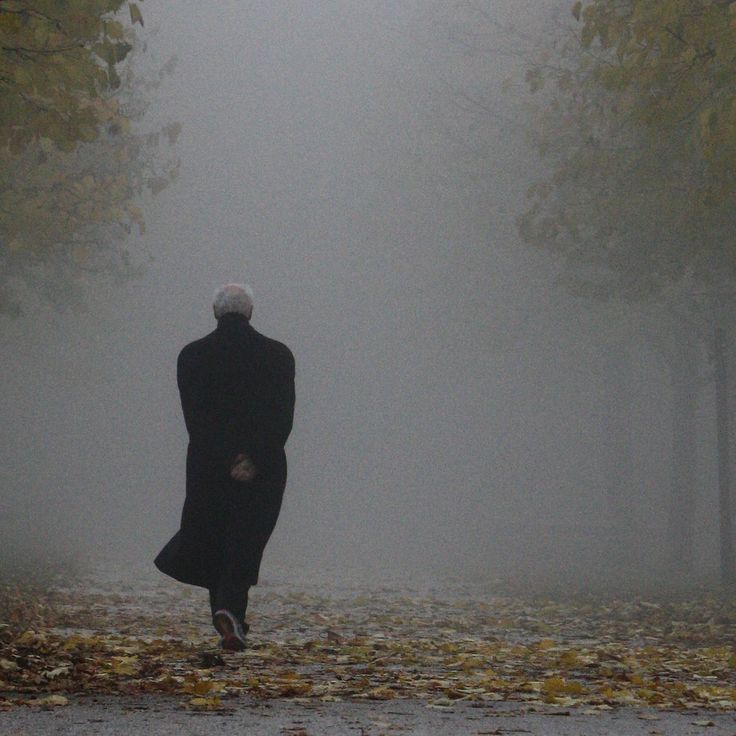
{"points": [[236, 298]]}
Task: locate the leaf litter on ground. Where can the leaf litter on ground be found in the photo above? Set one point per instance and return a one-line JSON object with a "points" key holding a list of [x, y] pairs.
{"points": [[384, 644]]}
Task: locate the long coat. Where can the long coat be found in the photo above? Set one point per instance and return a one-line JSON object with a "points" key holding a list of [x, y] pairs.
{"points": [[237, 394]]}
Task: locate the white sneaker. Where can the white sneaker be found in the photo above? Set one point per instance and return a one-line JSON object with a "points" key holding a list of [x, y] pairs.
{"points": [[233, 636]]}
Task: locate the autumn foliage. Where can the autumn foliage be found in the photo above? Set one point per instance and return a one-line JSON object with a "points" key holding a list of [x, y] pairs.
{"points": [[72, 166], [638, 127]]}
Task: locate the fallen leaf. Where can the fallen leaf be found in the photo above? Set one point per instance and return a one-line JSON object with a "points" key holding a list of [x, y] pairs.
{"points": [[205, 703], [50, 700]]}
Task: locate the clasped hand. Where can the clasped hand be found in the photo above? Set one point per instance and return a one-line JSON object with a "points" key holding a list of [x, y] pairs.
{"points": [[243, 469]]}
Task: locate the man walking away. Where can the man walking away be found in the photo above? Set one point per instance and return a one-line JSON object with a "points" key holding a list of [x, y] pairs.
{"points": [[237, 395]]}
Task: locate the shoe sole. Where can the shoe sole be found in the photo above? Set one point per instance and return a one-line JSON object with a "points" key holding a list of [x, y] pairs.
{"points": [[230, 641]]}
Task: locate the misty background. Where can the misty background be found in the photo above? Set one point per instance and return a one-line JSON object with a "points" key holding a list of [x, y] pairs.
{"points": [[361, 165]]}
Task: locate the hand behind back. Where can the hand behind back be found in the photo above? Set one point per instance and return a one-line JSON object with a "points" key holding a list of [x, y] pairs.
{"points": [[243, 469]]}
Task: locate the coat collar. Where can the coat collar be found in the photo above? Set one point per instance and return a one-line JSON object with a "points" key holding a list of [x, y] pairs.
{"points": [[232, 322]]}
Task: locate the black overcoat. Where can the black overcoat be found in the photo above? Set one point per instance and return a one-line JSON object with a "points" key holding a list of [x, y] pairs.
{"points": [[237, 394]]}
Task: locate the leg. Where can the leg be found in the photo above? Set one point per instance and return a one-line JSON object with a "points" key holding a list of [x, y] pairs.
{"points": [[213, 601], [228, 603], [230, 595]]}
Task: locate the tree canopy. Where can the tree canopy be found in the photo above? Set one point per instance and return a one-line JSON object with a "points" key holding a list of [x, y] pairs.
{"points": [[72, 166], [639, 130], [57, 66], [671, 65]]}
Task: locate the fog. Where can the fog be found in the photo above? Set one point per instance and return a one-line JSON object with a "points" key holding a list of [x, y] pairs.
{"points": [[361, 165]]}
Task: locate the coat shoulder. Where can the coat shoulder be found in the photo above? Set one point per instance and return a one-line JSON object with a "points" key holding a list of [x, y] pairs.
{"points": [[202, 349], [278, 350], [195, 348]]}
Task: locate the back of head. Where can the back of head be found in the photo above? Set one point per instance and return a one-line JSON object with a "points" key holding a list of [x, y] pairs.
{"points": [[233, 299]]}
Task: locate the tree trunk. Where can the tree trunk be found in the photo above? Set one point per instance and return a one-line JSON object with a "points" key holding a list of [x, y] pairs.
{"points": [[728, 576], [684, 378], [620, 476]]}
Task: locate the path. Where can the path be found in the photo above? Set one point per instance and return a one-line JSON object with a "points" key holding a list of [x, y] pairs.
{"points": [[112, 654]]}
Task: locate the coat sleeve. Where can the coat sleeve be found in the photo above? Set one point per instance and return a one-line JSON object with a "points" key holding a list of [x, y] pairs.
{"points": [[205, 430], [191, 403], [277, 416]]}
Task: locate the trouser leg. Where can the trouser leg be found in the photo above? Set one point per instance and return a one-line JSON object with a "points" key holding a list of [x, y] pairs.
{"points": [[231, 596], [213, 601]]}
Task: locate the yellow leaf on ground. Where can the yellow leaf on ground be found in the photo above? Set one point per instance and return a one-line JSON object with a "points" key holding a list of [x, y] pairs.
{"points": [[50, 700], [125, 665], [381, 693], [205, 703]]}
